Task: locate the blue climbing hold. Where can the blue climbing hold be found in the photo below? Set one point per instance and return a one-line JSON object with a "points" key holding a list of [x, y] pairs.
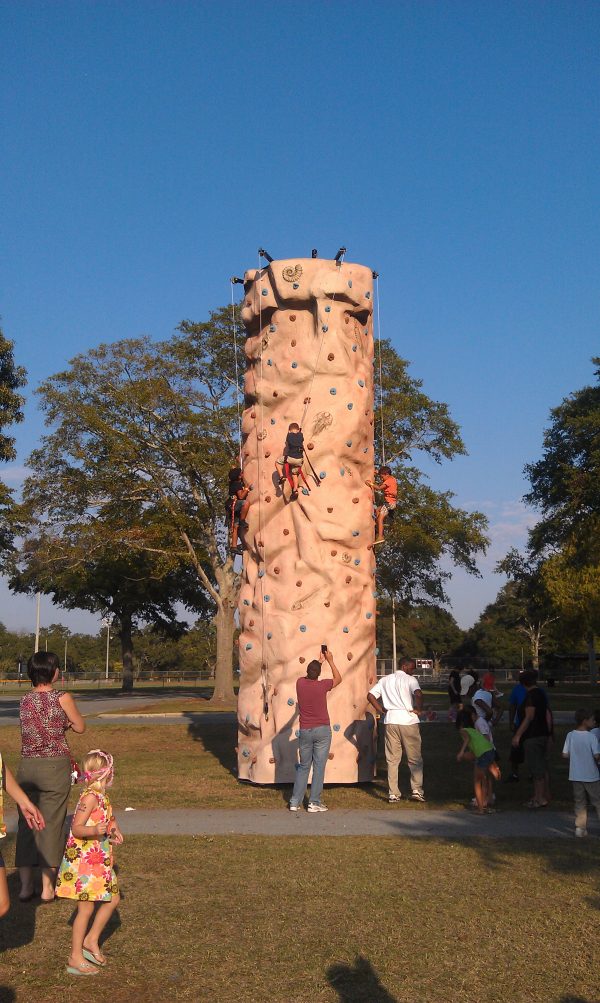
{"points": [[305, 491], [327, 309], [376, 651], [368, 615], [294, 365], [291, 701], [295, 285], [342, 471], [336, 727], [332, 391], [246, 602], [272, 327], [355, 532], [248, 646], [348, 442], [267, 598], [366, 449], [269, 362], [245, 753], [349, 283], [361, 383], [366, 330], [325, 328], [261, 572], [368, 296], [357, 560], [350, 406], [354, 347], [272, 421], [302, 628], [265, 292], [322, 475], [269, 636], [346, 630]]}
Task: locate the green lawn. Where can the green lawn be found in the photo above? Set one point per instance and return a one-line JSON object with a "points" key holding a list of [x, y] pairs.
{"points": [[330, 920], [192, 764]]}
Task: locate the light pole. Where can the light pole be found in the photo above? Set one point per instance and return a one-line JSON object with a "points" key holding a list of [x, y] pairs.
{"points": [[106, 623], [37, 622]]}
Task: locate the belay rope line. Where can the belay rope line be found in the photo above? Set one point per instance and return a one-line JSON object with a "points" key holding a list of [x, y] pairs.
{"points": [[237, 378], [380, 373], [262, 573]]}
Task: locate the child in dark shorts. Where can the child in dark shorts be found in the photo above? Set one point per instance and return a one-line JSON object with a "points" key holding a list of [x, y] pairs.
{"points": [[478, 747], [237, 506]]}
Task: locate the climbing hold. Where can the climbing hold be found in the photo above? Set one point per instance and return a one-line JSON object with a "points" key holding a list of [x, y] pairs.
{"points": [[297, 733], [292, 317], [354, 347], [331, 755], [349, 656], [294, 365], [299, 584], [261, 572], [302, 628], [276, 571], [286, 532], [348, 579], [246, 602], [272, 421], [366, 330], [245, 753], [346, 558], [269, 636], [310, 445], [333, 553], [346, 630], [333, 391], [355, 532], [369, 546], [376, 651], [269, 362], [272, 327], [366, 449], [302, 659], [267, 452], [331, 357], [342, 471], [368, 296], [291, 701], [348, 443], [368, 615], [327, 604], [250, 623], [349, 283], [327, 309], [355, 501], [330, 509], [293, 342], [305, 491], [268, 498], [361, 383], [248, 646], [350, 406], [322, 475], [374, 594], [271, 759], [346, 320], [336, 727], [267, 598], [295, 285], [265, 292], [357, 560], [276, 393], [253, 414], [324, 328]]}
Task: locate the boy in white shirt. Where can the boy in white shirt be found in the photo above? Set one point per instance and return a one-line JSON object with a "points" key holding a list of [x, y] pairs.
{"points": [[582, 749]]}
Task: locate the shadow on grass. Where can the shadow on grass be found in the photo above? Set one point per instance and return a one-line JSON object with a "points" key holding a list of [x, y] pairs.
{"points": [[358, 982], [7, 995], [17, 928]]}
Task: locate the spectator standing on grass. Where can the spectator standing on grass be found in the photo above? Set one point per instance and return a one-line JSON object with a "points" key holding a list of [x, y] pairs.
{"points": [[399, 698], [30, 813], [515, 701], [582, 749], [314, 740], [467, 685], [44, 773], [535, 731], [453, 694]]}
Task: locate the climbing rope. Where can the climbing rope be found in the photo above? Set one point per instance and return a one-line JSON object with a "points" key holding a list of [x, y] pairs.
{"points": [[312, 379], [264, 664], [237, 378], [380, 373]]}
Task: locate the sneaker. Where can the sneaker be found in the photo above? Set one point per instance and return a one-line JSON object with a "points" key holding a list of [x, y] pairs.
{"points": [[418, 796], [580, 832], [316, 806], [394, 797], [294, 807]]}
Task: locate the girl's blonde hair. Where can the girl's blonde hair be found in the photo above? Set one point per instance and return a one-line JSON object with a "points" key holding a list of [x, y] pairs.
{"points": [[97, 767]]}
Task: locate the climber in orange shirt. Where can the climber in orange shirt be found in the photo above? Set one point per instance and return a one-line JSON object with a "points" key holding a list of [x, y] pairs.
{"points": [[388, 487]]}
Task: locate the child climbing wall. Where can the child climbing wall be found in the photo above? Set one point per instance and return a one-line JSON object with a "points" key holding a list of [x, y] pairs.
{"points": [[308, 565]]}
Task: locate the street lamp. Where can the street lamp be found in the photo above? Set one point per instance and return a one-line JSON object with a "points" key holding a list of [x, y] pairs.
{"points": [[37, 622], [106, 623]]}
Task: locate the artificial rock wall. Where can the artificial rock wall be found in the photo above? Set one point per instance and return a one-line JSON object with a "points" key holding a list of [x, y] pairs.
{"points": [[308, 564]]}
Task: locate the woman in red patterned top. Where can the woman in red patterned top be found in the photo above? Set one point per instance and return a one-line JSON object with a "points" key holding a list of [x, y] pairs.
{"points": [[44, 772]]}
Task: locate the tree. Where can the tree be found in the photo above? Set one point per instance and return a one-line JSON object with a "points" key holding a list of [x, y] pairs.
{"points": [[12, 378], [142, 436], [528, 603], [565, 488], [427, 528]]}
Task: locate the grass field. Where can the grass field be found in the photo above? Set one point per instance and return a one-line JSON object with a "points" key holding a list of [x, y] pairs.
{"points": [[352, 920], [193, 765]]}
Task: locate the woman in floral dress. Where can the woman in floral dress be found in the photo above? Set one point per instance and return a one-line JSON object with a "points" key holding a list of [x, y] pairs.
{"points": [[86, 873]]}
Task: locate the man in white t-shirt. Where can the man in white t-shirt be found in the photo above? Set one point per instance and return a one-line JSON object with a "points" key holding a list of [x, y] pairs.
{"points": [[400, 699]]}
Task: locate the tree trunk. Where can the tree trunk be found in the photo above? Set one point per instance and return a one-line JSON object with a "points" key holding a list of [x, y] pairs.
{"points": [[126, 639], [592, 658], [225, 624], [535, 649]]}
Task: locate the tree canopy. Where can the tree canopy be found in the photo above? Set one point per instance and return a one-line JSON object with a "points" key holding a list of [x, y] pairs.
{"points": [[12, 378]]}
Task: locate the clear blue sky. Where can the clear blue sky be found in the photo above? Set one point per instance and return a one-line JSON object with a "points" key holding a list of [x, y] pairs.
{"points": [[150, 148]]}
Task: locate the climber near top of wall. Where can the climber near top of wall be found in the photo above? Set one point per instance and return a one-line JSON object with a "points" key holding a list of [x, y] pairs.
{"points": [[290, 462], [388, 487]]}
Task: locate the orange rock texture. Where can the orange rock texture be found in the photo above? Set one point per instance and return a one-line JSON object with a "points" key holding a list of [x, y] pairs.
{"points": [[308, 564]]}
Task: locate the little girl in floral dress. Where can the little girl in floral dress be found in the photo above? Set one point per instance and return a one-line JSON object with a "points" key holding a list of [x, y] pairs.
{"points": [[86, 873]]}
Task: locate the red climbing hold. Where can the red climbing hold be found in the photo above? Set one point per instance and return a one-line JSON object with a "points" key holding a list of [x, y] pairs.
{"points": [[333, 553]]}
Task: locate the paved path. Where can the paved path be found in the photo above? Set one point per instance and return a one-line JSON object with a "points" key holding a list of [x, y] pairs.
{"points": [[346, 822]]}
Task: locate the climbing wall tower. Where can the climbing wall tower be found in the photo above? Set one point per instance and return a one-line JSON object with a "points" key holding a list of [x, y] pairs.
{"points": [[308, 564]]}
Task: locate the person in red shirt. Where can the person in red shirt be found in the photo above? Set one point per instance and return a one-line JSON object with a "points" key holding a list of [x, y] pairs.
{"points": [[388, 487], [314, 740]]}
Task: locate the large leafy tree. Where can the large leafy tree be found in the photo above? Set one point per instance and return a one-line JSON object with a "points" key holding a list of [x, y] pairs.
{"points": [[527, 602], [12, 378], [429, 533], [141, 438], [565, 488]]}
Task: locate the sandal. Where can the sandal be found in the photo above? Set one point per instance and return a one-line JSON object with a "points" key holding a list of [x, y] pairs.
{"points": [[84, 969], [90, 956]]}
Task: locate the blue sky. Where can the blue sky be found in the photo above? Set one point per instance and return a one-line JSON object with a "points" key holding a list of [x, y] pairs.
{"points": [[150, 148]]}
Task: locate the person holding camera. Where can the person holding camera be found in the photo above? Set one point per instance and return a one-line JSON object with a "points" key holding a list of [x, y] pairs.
{"points": [[314, 740]]}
